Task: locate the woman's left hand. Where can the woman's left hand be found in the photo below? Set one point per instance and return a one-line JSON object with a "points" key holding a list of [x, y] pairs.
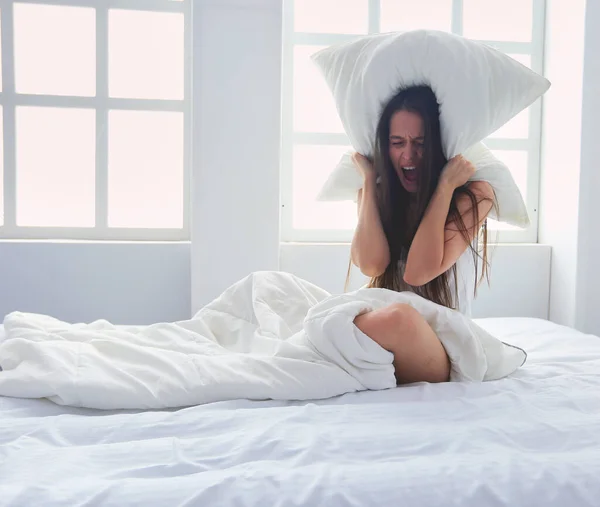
{"points": [[457, 172]]}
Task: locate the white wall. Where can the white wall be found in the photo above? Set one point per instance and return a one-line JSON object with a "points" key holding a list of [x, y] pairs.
{"points": [[571, 155], [136, 283], [559, 192], [146, 283], [588, 272], [237, 62], [519, 280]]}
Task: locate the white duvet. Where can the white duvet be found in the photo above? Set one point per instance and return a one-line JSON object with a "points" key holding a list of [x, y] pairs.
{"points": [[269, 336]]}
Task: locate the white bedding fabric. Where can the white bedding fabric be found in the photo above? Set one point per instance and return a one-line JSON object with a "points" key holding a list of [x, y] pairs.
{"points": [[532, 438], [269, 336]]}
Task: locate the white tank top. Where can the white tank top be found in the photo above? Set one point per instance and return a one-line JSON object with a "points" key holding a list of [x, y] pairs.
{"points": [[466, 274]]}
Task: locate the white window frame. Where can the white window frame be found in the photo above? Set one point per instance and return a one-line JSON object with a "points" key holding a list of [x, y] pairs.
{"points": [[290, 138], [101, 103]]}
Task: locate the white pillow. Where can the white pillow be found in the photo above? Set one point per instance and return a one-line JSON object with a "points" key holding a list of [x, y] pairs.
{"points": [[478, 88], [345, 181]]}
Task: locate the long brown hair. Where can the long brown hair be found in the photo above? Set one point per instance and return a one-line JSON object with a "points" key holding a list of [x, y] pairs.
{"points": [[400, 220]]}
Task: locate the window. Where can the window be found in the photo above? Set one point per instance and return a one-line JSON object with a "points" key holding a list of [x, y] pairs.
{"points": [[95, 119], [313, 138]]}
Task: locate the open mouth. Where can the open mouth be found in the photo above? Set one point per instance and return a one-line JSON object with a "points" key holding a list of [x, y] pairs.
{"points": [[410, 174]]}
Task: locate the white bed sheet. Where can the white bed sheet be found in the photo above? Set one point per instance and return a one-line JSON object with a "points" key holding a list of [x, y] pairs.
{"points": [[530, 439]]}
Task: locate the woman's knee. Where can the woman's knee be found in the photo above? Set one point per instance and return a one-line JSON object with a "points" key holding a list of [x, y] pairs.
{"points": [[418, 353], [403, 316], [390, 326]]}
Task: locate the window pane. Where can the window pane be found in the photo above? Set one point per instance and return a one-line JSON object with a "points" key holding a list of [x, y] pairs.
{"points": [[404, 15], [502, 20], [331, 16], [523, 59], [145, 51], [145, 169], [518, 127], [55, 50], [55, 166], [312, 166], [517, 161], [314, 107]]}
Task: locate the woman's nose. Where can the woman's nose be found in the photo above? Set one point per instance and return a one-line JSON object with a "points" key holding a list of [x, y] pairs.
{"points": [[409, 153]]}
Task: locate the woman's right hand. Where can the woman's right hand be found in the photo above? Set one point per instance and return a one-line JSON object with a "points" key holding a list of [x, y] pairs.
{"points": [[364, 166]]}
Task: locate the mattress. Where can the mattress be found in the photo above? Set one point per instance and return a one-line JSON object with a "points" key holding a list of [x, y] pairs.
{"points": [[530, 439]]}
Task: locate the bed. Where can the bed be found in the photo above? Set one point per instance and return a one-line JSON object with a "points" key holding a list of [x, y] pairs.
{"points": [[530, 439]]}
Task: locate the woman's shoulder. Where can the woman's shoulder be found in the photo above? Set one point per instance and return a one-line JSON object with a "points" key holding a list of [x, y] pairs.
{"points": [[482, 189]]}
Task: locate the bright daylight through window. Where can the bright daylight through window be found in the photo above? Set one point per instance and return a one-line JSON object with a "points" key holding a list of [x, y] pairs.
{"points": [[95, 105]]}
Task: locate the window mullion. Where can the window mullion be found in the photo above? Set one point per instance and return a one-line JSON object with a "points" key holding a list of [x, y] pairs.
{"points": [[187, 116], [102, 117], [374, 16], [535, 123], [457, 17], [137, 5]]}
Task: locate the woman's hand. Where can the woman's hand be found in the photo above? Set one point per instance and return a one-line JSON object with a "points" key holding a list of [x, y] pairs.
{"points": [[364, 166], [457, 172]]}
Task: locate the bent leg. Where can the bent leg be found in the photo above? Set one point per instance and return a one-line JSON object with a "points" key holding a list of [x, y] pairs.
{"points": [[419, 356]]}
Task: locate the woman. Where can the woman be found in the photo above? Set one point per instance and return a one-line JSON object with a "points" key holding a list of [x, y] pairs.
{"points": [[418, 216]]}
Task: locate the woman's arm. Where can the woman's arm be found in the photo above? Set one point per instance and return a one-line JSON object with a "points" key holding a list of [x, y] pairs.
{"points": [[437, 245], [370, 250]]}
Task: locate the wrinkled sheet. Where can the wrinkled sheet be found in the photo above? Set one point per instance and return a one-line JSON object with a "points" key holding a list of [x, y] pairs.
{"points": [[531, 438]]}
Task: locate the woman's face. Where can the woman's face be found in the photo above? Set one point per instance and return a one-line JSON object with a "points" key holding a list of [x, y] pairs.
{"points": [[406, 147]]}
